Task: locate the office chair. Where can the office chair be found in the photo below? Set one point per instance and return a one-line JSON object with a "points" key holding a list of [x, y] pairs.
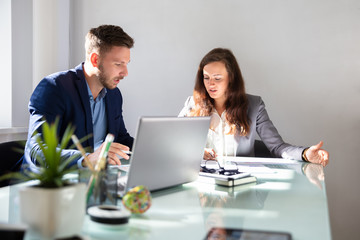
{"points": [[10, 159], [261, 150]]}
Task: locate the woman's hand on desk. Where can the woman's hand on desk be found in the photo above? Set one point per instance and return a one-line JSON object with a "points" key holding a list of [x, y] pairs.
{"points": [[209, 154], [116, 149], [315, 154]]}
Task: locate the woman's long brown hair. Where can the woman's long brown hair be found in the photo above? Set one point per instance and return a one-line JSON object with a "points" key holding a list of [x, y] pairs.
{"points": [[236, 103]]}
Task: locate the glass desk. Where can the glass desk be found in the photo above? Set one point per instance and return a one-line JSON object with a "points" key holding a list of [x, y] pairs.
{"points": [[283, 199]]}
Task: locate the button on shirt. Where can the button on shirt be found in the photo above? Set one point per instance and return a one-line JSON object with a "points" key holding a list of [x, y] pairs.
{"points": [[218, 138], [99, 119]]}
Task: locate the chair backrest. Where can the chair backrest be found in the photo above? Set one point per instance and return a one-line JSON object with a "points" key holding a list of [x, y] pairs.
{"points": [[261, 150], [10, 158]]}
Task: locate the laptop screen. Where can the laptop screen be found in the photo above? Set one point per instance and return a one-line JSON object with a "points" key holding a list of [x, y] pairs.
{"points": [[167, 151]]}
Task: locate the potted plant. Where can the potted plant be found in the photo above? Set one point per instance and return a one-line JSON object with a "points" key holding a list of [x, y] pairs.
{"points": [[52, 207]]}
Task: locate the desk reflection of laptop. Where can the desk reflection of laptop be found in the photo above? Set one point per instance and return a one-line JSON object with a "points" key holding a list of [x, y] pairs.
{"points": [[167, 152]]}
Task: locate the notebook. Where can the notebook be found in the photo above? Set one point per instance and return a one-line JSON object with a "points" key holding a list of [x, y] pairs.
{"points": [[167, 151], [224, 180]]}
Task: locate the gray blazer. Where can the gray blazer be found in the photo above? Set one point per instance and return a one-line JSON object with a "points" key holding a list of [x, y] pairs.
{"points": [[262, 126]]}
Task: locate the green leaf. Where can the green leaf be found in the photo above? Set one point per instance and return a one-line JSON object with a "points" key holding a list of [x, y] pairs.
{"points": [[52, 168]]}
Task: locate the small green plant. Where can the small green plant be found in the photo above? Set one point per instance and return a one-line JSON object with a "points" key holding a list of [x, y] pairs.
{"points": [[51, 167]]}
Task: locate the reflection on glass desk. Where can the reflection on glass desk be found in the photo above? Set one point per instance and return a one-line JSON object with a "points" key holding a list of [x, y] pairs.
{"points": [[288, 196]]}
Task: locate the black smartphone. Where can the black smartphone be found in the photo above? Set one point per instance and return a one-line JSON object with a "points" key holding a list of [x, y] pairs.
{"points": [[218, 233]]}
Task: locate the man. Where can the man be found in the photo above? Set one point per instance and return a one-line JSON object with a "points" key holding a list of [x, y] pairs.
{"points": [[86, 97]]}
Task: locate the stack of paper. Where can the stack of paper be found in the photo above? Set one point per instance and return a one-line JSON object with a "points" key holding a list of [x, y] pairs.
{"points": [[224, 180]]}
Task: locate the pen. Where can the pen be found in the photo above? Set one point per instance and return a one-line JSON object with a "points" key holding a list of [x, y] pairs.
{"points": [[83, 153], [126, 151], [100, 165]]}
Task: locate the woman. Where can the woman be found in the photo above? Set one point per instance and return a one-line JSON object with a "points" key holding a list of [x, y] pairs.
{"points": [[236, 117]]}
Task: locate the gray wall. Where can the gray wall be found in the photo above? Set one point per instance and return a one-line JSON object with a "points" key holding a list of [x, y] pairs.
{"points": [[302, 57]]}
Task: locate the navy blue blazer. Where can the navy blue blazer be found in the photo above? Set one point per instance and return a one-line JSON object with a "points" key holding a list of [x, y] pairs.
{"points": [[65, 95]]}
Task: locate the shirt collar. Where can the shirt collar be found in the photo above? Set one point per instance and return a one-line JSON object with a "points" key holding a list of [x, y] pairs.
{"points": [[214, 112], [101, 94]]}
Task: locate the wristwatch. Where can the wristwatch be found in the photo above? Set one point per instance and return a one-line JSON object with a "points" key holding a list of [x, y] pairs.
{"points": [[304, 155]]}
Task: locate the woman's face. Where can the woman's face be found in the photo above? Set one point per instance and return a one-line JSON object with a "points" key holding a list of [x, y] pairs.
{"points": [[216, 80]]}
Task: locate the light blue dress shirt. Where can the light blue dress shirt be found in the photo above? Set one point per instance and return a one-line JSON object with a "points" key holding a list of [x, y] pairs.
{"points": [[99, 119]]}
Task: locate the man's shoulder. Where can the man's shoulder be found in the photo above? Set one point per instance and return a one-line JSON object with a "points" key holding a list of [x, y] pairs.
{"points": [[66, 75], [58, 83]]}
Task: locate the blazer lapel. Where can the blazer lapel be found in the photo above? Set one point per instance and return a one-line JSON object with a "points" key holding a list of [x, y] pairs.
{"points": [[84, 96], [110, 111]]}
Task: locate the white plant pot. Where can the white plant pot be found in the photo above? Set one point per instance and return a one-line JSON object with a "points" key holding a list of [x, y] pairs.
{"points": [[55, 212]]}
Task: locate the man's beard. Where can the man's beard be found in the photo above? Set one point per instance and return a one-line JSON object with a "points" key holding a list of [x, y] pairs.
{"points": [[104, 80]]}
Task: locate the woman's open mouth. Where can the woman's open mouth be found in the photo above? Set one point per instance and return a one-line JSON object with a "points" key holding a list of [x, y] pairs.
{"points": [[212, 90]]}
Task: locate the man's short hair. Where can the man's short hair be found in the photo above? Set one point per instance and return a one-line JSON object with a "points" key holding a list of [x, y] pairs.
{"points": [[104, 37]]}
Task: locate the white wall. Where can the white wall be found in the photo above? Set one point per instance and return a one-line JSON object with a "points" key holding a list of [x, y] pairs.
{"points": [[50, 37], [34, 43], [302, 57], [5, 63], [22, 61]]}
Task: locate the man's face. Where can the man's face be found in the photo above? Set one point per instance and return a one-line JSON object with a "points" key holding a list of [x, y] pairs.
{"points": [[113, 66]]}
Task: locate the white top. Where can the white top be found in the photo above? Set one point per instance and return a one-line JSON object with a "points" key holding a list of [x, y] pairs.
{"points": [[218, 138]]}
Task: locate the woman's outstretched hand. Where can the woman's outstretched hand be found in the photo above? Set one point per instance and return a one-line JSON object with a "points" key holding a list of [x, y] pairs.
{"points": [[315, 154]]}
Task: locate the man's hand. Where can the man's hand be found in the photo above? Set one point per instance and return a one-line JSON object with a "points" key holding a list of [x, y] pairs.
{"points": [[115, 151]]}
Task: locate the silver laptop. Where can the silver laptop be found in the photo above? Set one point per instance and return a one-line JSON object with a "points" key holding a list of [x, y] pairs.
{"points": [[167, 152]]}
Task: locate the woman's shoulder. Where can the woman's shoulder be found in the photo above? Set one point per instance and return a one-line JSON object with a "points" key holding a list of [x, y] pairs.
{"points": [[253, 99], [255, 104], [188, 106], [189, 101]]}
